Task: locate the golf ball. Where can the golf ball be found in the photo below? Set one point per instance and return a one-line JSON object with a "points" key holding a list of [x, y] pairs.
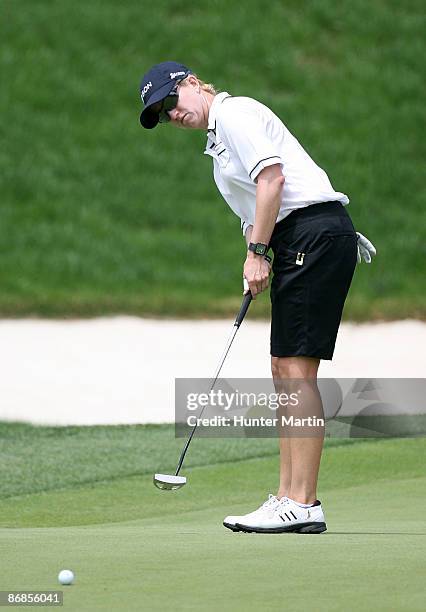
{"points": [[66, 576]]}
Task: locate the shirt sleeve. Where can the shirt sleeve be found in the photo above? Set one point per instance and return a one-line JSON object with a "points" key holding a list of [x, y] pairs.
{"points": [[245, 134]]}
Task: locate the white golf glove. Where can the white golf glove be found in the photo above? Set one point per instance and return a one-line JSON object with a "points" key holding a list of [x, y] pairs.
{"points": [[365, 249]]}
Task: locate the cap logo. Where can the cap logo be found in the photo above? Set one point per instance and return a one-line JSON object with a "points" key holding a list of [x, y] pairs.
{"points": [[173, 75], [145, 90]]}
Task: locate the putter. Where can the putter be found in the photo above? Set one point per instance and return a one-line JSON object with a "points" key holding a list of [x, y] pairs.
{"points": [[171, 482]]}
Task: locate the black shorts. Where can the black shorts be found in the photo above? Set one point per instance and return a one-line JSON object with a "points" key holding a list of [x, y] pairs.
{"points": [[315, 256]]}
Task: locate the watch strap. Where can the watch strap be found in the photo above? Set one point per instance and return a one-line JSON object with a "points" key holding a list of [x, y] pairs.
{"points": [[258, 247]]}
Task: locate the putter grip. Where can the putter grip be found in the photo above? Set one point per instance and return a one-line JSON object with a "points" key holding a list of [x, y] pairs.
{"points": [[244, 307]]}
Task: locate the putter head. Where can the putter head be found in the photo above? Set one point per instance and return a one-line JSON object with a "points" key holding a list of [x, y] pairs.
{"points": [[168, 482]]}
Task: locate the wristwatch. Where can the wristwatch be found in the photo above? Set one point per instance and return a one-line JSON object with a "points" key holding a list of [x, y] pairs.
{"points": [[258, 247]]}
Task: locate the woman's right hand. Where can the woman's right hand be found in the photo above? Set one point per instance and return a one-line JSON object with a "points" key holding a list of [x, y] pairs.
{"points": [[256, 274]]}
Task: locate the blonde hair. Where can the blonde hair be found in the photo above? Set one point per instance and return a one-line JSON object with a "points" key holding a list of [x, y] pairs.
{"points": [[209, 87]]}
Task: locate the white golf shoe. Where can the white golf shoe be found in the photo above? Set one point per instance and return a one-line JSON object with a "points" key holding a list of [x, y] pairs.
{"points": [[287, 516], [265, 510]]}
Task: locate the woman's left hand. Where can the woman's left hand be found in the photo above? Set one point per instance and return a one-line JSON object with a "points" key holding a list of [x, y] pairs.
{"points": [[366, 249], [256, 272]]}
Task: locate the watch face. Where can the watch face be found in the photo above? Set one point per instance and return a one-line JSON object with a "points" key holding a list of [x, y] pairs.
{"points": [[260, 249]]}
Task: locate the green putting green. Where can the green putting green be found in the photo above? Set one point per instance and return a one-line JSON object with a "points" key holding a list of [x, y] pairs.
{"points": [[133, 547]]}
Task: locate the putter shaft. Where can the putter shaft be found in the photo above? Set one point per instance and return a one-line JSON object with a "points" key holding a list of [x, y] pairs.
{"points": [[239, 319]]}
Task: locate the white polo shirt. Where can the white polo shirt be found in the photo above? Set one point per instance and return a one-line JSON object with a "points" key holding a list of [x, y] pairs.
{"points": [[245, 136]]}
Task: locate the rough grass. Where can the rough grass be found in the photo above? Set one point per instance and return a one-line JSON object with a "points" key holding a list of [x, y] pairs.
{"points": [[38, 459], [98, 216]]}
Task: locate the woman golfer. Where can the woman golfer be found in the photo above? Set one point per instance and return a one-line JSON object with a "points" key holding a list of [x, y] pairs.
{"points": [[286, 203]]}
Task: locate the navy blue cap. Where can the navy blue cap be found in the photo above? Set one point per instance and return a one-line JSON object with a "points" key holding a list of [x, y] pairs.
{"points": [[156, 85]]}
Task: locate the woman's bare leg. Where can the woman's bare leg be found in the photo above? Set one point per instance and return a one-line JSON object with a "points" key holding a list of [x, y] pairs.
{"points": [[300, 455]]}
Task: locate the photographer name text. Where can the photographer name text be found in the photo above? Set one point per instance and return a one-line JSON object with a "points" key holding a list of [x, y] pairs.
{"points": [[242, 421]]}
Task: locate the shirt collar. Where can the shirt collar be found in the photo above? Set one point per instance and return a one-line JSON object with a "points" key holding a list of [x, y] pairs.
{"points": [[217, 101]]}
